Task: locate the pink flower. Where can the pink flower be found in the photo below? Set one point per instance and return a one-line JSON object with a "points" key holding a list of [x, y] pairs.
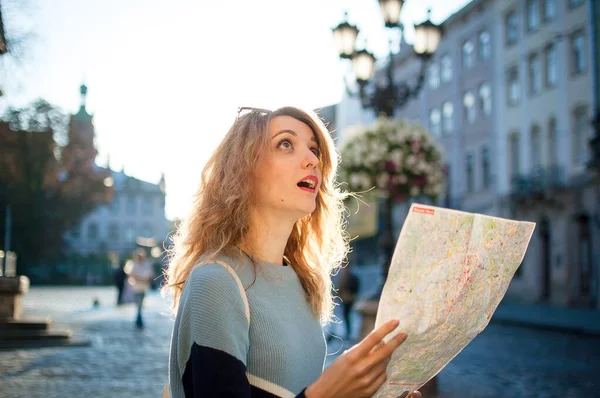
{"points": [[420, 181], [389, 166]]}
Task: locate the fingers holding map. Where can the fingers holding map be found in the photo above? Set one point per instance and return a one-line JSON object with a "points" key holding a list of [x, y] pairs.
{"points": [[449, 272]]}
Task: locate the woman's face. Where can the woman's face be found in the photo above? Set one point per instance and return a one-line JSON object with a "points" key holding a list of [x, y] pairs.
{"points": [[288, 176]]}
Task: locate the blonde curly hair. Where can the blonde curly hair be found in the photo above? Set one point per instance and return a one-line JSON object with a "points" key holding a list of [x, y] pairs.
{"points": [[219, 218]]}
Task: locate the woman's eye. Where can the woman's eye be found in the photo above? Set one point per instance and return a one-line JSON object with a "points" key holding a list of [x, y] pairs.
{"points": [[285, 144], [316, 152]]}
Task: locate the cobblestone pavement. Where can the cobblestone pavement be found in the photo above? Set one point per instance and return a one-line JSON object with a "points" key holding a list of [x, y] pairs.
{"points": [[123, 362]]}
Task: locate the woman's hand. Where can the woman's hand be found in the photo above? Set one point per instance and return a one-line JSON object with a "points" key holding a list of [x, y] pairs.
{"points": [[360, 371]]}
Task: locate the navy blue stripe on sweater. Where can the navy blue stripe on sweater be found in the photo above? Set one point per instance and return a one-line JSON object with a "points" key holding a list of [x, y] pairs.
{"points": [[212, 373]]}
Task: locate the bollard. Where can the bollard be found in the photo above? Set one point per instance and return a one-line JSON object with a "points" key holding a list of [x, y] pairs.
{"points": [[1, 262], [10, 266], [11, 297]]}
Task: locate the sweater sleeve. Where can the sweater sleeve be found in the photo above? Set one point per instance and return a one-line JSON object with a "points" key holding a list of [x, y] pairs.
{"points": [[213, 335]]}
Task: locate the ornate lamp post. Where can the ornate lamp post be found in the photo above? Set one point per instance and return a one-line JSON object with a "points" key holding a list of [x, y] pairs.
{"points": [[388, 172], [385, 99]]}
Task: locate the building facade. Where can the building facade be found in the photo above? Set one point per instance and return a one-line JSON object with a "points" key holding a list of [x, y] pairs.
{"points": [[509, 96], [134, 217], [545, 130]]}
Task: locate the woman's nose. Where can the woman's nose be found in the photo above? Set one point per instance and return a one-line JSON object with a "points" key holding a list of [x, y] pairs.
{"points": [[311, 160]]}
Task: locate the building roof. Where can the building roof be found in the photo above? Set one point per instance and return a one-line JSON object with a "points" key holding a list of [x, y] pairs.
{"points": [[471, 6], [124, 183]]}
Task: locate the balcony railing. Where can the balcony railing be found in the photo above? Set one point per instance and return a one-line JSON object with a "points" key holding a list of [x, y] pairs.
{"points": [[541, 181]]}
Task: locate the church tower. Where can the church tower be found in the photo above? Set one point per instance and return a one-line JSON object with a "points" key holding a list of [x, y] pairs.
{"points": [[80, 151]]}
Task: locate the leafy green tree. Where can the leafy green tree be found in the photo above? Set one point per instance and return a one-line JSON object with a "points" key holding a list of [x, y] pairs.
{"points": [[47, 195]]}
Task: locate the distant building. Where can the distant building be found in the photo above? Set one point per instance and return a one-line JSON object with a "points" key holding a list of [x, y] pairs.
{"points": [[509, 95], [135, 216]]}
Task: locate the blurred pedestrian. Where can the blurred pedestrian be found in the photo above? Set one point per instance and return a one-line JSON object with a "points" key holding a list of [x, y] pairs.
{"points": [[349, 285], [120, 276], [140, 274], [250, 273]]}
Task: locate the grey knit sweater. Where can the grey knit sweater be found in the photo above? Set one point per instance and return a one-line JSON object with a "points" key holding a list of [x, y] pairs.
{"points": [[252, 336]]}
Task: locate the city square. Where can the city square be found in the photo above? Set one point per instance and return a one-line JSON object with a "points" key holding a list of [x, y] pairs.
{"points": [[138, 138]]}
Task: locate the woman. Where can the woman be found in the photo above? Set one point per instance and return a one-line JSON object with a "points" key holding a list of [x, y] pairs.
{"points": [[250, 272]]}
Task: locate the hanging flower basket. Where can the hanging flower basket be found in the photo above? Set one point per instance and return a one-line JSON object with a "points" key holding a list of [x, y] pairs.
{"points": [[397, 157]]}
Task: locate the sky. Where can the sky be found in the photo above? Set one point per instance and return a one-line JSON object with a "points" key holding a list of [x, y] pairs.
{"points": [[165, 78]]}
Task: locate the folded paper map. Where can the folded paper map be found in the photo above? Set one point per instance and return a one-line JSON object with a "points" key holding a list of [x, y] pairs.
{"points": [[449, 271]]}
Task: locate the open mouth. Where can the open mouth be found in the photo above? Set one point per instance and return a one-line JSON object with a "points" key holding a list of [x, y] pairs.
{"points": [[308, 183]]}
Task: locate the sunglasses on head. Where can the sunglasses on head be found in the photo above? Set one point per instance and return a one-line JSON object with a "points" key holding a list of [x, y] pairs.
{"points": [[244, 110]]}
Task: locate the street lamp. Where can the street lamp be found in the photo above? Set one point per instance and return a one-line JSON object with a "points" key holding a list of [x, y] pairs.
{"points": [[344, 36], [385, 99], [391, 12]]}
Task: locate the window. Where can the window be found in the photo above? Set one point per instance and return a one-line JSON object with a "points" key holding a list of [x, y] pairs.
{"points": [[514, 148], [552, 143], [485, 46], [533, 15], [446, 68], [513, 86], [485, 99], [470, 173], [147, 207], [536, 147], [147, 231], [130, 233], [578, 52], [550, 66], [92, 231], [113, 231], [579, 140], [469, 104], [511, 27], [447, 117], [114, 206], [549, 10], [467, 54], [485, 167], [131, 205], [434, 75], [435, 122], [535, 74], [575, 3]]}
